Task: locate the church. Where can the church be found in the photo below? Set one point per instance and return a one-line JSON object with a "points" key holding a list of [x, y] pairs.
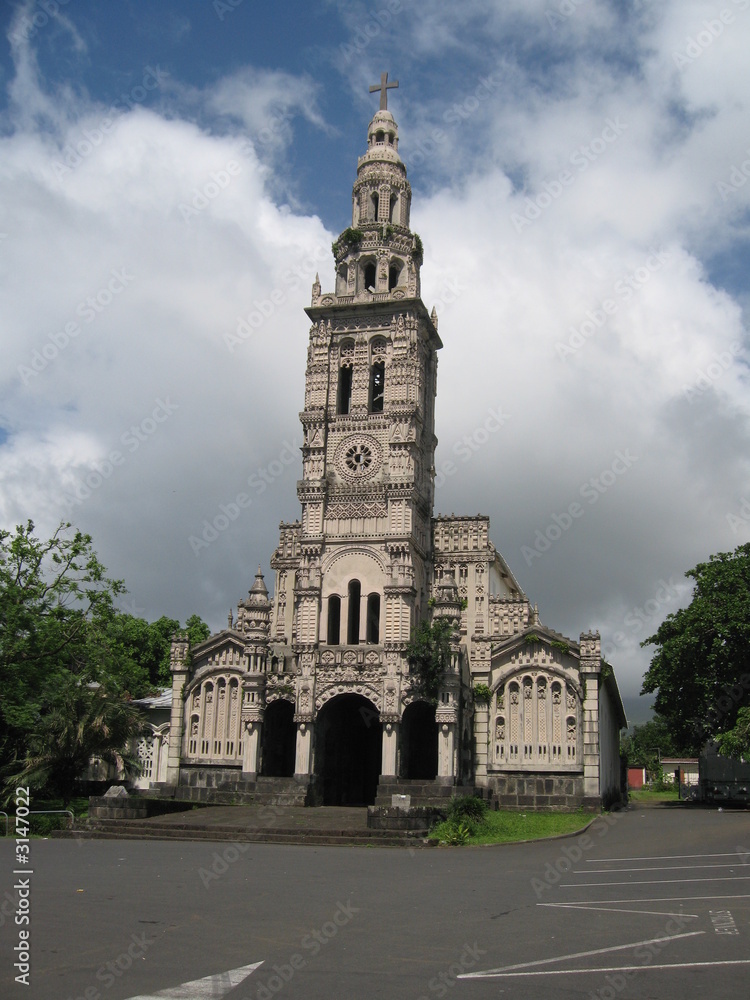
{"points": [[308, 696]]}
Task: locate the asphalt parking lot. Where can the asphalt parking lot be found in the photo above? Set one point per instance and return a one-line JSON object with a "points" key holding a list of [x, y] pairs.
{"points": [[646, 903]]}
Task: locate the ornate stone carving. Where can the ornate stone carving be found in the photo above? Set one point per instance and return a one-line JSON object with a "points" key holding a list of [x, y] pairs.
{"points": [[358, 458]]}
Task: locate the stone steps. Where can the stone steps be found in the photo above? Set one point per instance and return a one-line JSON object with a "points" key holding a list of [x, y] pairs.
{"points": [[281, 791], [263, 790], [134, 830]]}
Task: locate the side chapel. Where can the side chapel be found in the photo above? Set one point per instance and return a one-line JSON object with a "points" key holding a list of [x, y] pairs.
{"points": [[307, 697]]}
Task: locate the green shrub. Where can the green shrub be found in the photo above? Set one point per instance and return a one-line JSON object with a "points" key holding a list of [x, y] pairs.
{"points": [[42, 826], [455, 833], [469, 807]]}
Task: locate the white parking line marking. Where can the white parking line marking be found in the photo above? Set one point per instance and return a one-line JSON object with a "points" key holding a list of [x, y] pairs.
{"points": [[612, 909], [665, 857], [656, 881], [580, 954], [661, 868], [658, 899], [613, 968]]}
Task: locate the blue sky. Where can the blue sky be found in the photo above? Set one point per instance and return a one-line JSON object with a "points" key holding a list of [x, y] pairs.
{"points": [[580, 180]]}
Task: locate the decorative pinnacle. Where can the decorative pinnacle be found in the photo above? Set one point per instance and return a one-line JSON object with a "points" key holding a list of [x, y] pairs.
{"points": [[384, 87]]}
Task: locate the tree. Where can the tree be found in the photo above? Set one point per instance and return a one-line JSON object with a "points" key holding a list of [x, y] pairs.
{"points": [[736, 742], [197, 631], [647, 744], [50, 592], [700, 669], [429, 654], [59, 622], [80, 723]]}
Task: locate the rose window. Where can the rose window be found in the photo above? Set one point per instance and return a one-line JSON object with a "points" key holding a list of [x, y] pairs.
{"points": [[358, 458]]}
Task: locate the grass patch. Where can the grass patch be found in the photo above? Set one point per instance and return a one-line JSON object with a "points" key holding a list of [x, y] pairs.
{"points": [[653, 795], [502, 827]]}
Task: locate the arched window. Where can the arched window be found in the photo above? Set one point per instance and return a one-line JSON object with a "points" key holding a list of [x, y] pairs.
{"points": [[379, 137], [374, 205], [346, 373], [394, 274], [373, 619], [377, 375], [334, 620], [393, 213], [355, 596], [377, 387], [369, 276]]}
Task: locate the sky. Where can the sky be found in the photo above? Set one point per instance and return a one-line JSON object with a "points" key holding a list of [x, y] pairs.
{"points": [[580, 183]]}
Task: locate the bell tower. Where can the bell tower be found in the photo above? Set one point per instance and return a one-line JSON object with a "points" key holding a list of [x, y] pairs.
{"points": [[314, 690], [368, 424]]}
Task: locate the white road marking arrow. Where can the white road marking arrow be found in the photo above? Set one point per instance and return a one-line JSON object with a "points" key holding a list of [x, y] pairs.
{"points": [[209, 988]]}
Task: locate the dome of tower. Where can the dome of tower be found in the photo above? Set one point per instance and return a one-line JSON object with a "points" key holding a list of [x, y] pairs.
{"points": [[382, 141]]}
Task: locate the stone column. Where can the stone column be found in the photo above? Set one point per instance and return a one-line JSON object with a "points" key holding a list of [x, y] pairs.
{"points": [[481, 740], [590, 670], [178, 665], [388, 766], [446, 750], [303, 757], [251, 748]]}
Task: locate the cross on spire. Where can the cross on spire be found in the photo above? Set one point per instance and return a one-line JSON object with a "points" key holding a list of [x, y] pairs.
{"points": [[384, 87]]}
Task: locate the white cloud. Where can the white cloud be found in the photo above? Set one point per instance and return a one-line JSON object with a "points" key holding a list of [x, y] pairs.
{"points": [[636, 227]]}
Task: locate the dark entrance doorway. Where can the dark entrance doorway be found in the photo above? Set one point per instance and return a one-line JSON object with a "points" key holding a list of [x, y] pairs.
{"points": [[419, 744], [279, 741], [348, 748]]}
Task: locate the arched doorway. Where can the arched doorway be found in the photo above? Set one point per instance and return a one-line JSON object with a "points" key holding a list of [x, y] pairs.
{"points": [[348, 749], [279, 740], [419, 741]]}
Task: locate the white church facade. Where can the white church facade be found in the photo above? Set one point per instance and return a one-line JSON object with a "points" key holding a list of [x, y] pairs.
{"points": [[308, 696]]}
